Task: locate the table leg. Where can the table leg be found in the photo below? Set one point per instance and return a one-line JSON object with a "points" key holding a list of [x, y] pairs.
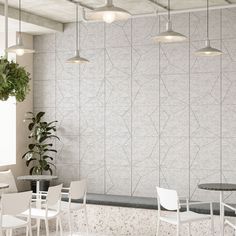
{"points": [[221, 215], [38, 203]]}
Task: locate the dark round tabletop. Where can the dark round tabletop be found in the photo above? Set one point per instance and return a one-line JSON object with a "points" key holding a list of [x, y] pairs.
{"points": [[218, 187]]}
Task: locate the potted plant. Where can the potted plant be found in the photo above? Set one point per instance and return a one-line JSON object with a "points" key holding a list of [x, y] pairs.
{"points": [[41, 153], [14, 80]]}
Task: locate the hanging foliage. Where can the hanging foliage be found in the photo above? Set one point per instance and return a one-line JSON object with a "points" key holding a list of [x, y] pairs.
{"points": [[14, 80]]}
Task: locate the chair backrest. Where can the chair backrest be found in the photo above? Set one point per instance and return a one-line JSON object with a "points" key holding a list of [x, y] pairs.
{"points": [[7, 177], [54, 195], [15, 203], [168, 199], [78, 189]]}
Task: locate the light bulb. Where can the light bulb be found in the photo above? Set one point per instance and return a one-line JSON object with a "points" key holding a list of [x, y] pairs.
{"points": [[20, 52], [109, 17], [169, 37]]}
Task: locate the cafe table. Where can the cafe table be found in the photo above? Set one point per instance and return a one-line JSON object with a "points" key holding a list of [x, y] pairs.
{"points": [[37, 178], [221, 188], [4, 186]]}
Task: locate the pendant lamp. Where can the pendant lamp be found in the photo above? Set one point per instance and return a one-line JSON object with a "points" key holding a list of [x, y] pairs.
{"points": [[169, 36], [110, 13], [77, 59], [208, 51], [19, 48]]}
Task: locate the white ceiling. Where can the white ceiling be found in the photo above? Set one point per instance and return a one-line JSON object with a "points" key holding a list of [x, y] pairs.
{"points": [[62, 10]]}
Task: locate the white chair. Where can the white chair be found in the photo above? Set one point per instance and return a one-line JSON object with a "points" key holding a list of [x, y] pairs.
{"points": [[77, 190], [51, 210], [12, 205], [169, 200], [228, 221], [7, 177]]}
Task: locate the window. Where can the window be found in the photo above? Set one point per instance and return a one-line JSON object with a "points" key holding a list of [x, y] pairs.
{"points": [[8, 132], [7, 116]]}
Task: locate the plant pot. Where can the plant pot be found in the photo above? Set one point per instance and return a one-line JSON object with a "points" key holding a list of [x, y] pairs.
{"points": [[44, 185]]}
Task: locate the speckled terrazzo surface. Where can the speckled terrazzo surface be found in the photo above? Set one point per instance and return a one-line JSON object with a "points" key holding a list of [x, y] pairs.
{"points": [[121, 221]]}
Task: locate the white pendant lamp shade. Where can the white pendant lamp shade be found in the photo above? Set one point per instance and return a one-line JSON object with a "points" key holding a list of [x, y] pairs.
{"points": [[208, 51], [77, 59], [19, 49], [169, 36], [110, 13]]}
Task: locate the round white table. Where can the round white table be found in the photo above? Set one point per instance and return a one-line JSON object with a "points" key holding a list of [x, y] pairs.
{"points": [[3, 185], [37, 178]]}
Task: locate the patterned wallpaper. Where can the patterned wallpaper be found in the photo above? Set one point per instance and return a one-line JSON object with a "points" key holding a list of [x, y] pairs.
{"points": [[141, 114]]}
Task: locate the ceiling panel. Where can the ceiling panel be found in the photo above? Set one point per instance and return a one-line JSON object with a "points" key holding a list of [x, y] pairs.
{"points": [[63, 11]]}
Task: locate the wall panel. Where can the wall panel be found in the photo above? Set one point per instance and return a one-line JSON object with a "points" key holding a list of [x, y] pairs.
{"points": [[141, 114]]}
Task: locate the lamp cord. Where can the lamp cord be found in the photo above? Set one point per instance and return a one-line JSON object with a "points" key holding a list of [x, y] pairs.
{"points": [[168, 10], [77, 28], [6, 27], [207, 19], [20, 17]]}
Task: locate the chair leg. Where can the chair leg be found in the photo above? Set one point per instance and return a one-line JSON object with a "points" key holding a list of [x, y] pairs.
{"points": [[46, 226], [189, 229], [158, 227], [38, 227], [70, 223], [57, 222], [178, 230], [10, 232], [61, 232], [86, 219], [30, 229], [212, 227], [27, 230]]}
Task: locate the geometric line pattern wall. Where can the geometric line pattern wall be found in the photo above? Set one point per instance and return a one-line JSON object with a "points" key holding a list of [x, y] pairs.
{"points": [[140, 114]]}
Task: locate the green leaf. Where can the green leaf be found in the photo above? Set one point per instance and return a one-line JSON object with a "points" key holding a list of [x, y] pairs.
{"points": [[14, 80], [47, 157], [23, 157], [31, 126], [31, 146], [50, 170], [28, 162], [50, 150], [31, 170], [39, 116], [43, 163], [50, 163]]}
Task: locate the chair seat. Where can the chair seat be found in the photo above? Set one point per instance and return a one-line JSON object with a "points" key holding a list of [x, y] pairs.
{"points": [[37, 213], [12, 222], [73, 206], [230, 223], [187, 216]]}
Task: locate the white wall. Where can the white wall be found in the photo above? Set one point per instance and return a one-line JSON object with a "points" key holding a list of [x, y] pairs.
{"points": [[141, 114]]}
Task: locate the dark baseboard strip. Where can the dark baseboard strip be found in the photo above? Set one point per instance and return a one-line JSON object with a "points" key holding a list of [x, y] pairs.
{"points": [[145, 203]]}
